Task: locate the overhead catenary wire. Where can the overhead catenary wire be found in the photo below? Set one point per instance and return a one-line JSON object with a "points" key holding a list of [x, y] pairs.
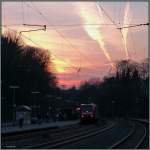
{"points": [[113, 22], [117, 27], [129, 26], [71, 65], [33, 25], [56, 43], [70, 25], [114, 12], [23, 15], [133, 43], [126, 16], [65, 25], [59, 33], [104, 49], [119, 16], [78, 25]]}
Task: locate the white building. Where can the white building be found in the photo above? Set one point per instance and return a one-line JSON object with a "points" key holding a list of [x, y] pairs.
{"points": [[24, 112]]}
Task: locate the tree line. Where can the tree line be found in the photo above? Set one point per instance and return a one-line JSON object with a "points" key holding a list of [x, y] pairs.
{"points": [[123, 93], [29, 68]]}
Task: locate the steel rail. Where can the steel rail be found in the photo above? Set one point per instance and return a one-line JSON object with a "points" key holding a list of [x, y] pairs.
{"points": [[70, 139], [41, 134], [123, 139], [143, 137], [56, 133], [128, 136], [141, 121]]}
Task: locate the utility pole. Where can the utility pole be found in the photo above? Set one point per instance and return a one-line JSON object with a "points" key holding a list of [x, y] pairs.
{"points": [[35, 102], [50, 108], [113, 103], [14, 87]]}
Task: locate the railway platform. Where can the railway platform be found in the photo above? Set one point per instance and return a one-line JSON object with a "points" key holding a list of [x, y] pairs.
{"points": [[44, 125]]}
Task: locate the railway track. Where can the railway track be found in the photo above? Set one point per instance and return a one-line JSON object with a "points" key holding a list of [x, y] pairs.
{"points": [[120, 135], [83, 134], [30, 140], [28, 134], [20, 139], [133, 139]]}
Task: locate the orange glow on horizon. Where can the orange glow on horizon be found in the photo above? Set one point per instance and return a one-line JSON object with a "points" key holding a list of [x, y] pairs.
{"points": [[87, 44], [61, 65], [69, 83]]}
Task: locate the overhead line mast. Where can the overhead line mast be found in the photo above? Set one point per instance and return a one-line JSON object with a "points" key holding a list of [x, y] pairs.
{"points": [[37, 44], [144, 24], [122, 36], [44, 28], [60, 34]]}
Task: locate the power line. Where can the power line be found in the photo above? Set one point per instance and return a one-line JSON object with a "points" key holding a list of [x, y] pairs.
{"points": [[113, 22], [105, 51], [69, 25], [87, 24], [44, 28], [73, 66], [59, 33], [23, 16], [133, 43], [119, 16], [120, 31]]}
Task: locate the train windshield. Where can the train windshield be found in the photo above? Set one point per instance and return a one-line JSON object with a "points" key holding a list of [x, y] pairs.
{"points": [[86, 108]]}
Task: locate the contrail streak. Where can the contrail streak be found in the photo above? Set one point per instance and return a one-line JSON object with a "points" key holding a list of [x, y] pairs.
{"points": [[125, 30], [88, 17]]}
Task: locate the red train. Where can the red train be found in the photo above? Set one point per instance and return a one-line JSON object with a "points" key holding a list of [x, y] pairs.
{"points": [[88, 112]]}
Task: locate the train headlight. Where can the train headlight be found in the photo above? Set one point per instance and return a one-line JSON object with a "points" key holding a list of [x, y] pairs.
{"points": [[82, 116]]}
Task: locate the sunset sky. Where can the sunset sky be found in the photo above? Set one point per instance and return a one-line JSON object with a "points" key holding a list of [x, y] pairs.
{"points": [[80, 36]]}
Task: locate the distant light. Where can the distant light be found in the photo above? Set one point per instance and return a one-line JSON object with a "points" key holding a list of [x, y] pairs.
{"points": [[14, 87], [35, 92]]}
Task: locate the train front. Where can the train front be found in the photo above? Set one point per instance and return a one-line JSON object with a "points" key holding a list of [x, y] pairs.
{"points": [[87, 112]]}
